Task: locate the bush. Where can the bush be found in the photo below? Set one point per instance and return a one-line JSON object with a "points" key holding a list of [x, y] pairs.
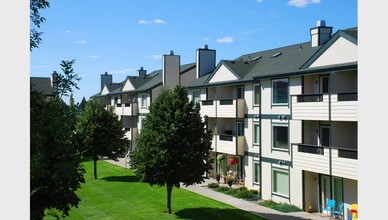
{"points": [[282, 207], [242, 188], [213, 185], [254, 191], [245, 194]]}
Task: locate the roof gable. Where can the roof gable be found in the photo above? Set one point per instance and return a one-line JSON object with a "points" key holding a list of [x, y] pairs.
{"points": [[341, 48], [222, 74], [105, 90], [128, 86]]}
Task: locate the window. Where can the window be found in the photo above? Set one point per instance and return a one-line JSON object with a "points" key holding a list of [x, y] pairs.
{"points": [[256, 94], [280, 136], [144, 100], [116, 100], [240, 128], [324, 84], [196, 96], [240, 92], [256, 172], [324, 135], [256, 134], [280, 182], [280, 91]]}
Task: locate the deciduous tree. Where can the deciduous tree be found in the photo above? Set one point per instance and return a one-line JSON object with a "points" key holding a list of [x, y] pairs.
{"points": [[174, 144], [100, 133]]}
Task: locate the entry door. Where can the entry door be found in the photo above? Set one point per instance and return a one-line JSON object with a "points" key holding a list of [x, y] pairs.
{"points": [[324, 135], [324, 85]]}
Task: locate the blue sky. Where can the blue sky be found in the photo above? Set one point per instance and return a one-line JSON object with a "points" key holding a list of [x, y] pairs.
{"points": [[121, 36]]}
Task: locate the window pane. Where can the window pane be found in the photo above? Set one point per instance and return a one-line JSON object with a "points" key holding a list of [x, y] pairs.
{"points": [[280, 182], [280, 137], [240, 128], [280, 91], [257, 173], [144, 100], [196, 96], [256, 90], [256, 134]]}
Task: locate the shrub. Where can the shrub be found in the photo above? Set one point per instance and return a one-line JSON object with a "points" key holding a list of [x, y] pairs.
{"points": [[282, 207], [213, 185], [254, 191], [243, 188], [245, 194]]}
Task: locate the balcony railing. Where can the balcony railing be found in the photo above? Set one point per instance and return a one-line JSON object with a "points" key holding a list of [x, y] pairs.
{"points": [[348, 96], [310, 98], [348, 153], [311, 149]]}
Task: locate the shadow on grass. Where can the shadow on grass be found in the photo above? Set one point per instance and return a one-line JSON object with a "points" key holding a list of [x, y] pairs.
{"points": [[216, 214], [121, 179]]}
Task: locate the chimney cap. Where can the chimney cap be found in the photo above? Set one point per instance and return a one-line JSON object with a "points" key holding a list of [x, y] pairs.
{"points": [[171, 52], [141, 68], [205, 46], [321, 23]]}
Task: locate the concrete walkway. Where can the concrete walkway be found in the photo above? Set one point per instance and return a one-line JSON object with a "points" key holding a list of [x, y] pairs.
{"points": [[259, 210]]}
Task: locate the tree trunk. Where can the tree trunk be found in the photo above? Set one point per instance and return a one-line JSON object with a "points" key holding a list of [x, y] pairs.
{"points": [[169, 191], [95, 168]]}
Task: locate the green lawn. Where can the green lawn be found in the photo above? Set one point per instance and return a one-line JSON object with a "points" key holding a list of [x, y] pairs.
{"points": [[117, 194]]}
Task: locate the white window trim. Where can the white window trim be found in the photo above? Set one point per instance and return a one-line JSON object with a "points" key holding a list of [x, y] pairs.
{"points": [[146, 102], [273, 182], [288, 88], [253, 96], [273, 136], [254, 162], [254, 144]]}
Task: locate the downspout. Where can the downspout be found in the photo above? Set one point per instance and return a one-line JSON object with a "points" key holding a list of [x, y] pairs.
{"points": [[330, 136], [260, 147]]}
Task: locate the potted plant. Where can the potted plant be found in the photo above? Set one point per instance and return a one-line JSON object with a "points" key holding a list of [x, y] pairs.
{"points": [[218, 177], [233, 160], [309, 207], [230, 181]]}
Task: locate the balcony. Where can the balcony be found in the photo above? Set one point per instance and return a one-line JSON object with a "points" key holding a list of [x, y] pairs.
{"points": [[227, 108], [126, 109], [342, 106], [317, 159], [131, 133], [230, 144]]}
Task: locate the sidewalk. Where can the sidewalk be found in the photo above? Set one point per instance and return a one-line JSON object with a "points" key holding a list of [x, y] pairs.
{"points": [[259, 210]]}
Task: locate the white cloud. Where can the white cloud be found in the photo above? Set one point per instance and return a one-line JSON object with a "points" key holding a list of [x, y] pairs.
{"points": [[206, 38], [259, 1], [225, 40], [81, 41], [67, 32], [94, 56], [156, 21], [302, 3], [155, 56]]}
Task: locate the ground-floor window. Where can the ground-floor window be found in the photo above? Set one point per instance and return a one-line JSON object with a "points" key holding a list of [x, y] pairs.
{"points": [[256, 172], [280, 182]]}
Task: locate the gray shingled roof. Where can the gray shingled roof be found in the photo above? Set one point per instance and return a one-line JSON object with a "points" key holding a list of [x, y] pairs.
{"points": [[42, 85], [290, 59]]}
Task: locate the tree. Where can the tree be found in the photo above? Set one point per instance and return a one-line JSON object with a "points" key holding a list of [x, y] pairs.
{"points": [[66, 81], [174, 145], [37, 20], [55, 170], [100, 133], [82, 105]]}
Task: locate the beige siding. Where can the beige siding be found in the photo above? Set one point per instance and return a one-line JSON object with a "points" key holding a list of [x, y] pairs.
{"points": [[223, 74]]}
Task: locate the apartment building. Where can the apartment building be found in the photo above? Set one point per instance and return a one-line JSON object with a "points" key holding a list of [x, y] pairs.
{"points": [[289, 117], [285, 120], [132, 97]]}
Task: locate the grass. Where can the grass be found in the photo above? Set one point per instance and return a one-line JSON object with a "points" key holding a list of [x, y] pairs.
{"points": [[282, 207], [118, 194]]}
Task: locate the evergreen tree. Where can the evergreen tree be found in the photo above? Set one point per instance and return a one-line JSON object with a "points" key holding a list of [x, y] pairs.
{"points": [[174, 145]]}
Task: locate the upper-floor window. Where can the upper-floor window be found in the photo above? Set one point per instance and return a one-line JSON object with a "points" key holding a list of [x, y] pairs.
{"points": [[196, 96], [144, 100], [280, 91], [256, 94], [280, 136], [240, 92], [256, 134]]}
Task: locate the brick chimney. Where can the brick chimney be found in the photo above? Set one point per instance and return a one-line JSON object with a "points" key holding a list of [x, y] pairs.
{"points": [[320, 34], [206, 61], [171, 69]]}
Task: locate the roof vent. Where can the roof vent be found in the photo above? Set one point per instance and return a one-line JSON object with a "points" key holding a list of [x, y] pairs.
{"points": [[276, 55]]}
